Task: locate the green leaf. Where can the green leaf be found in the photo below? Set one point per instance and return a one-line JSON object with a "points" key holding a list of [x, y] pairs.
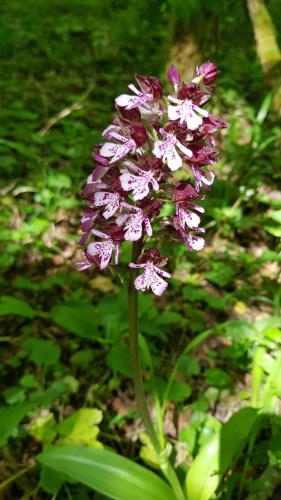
{"points": [[10, 417], [170, 317], [106, 472], [179, 391], [239, 330], [47, 396], [79, 318], [83, 358], [14, 395], [42, 427], [265, 106], [81, 427], [50, 481], [218, 455], [275, 215], [43, 352], [15, 307], [28, 381], [118, 359], [216, 377], [274, 230], [274, 450], [220, 274], [188, 365]]}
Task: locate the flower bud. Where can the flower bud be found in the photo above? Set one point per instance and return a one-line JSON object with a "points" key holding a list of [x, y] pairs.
{"points": [[209, 71], [173, 75]]}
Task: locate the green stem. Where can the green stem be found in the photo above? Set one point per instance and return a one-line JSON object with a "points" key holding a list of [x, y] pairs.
{"points": [[135, 352], [13, 477], [142, 407]]}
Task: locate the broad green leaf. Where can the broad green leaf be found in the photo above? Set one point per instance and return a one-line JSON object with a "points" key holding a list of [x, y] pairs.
{"points": [[216, 377], [83, 358], [28, 381], [106, 472], [14, 395], [43, 352], [170, 317], [16, 307], [118, 359], [79, 318], [257, 374], [50, 480], [239, 330], [275, 215], [274, 230], [221, 274], [10, 417], [272, 387], [47, 396], [81, 427], [42, 427], [274, 450], [218, 455], [179, 391], [188, 365]]}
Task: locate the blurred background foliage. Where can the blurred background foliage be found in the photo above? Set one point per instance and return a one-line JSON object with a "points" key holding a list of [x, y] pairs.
{"points": [[63, 334]]}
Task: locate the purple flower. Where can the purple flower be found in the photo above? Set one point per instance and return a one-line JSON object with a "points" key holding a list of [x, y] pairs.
{"points": [[173, 76], [186, 111], [150, 85], [87, 222], [167, 150], [118, 151], [130, 184], [208, 71], [188, 217], [202, 178], [140, 183], [133, 225], [150, 278], [111, 201], [100, 252], [193, 242], [85, 264], [130, 102]]}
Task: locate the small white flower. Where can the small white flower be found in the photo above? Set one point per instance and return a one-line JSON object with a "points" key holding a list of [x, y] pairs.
{"points": [[133, 225], [130, 101], [110, 200], [193, 242], [139, 184], [202, 178], [118, 151], [167, 150], [186, 111], [188, 217], [102, 250], [150, 278]]}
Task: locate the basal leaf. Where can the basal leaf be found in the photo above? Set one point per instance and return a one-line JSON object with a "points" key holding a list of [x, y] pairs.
{"points": [[106, 472]]}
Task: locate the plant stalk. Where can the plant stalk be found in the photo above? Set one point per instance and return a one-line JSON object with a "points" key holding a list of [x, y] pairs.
{"points": [[140, 397], [135, 352]]}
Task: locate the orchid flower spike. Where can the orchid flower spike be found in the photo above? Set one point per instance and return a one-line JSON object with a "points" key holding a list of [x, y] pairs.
{"points": [[151, 137]]}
